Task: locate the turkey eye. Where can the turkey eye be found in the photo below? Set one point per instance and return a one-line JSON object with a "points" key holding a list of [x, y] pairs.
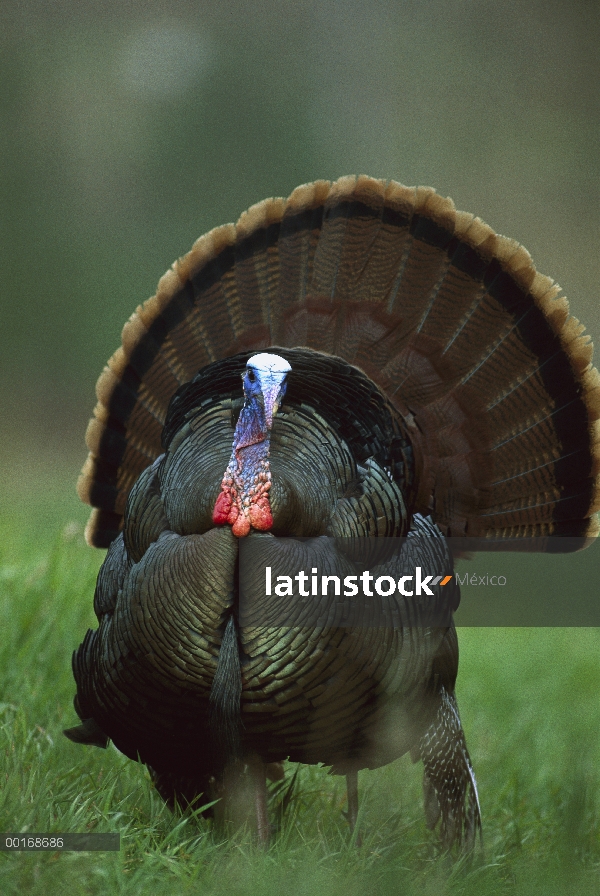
{"points": [[251, 376]]}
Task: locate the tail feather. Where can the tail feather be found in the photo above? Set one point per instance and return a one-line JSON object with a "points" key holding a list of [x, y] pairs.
{"points": [[426, 264], [357, 258], [256, 268], [451, 321], [373, 273], [299, 238]]}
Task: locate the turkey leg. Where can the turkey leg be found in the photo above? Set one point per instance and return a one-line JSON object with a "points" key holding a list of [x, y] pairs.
{"points": [[259, 785], [352, 794]]}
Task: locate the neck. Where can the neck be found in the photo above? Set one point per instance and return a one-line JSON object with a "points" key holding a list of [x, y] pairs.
{"points": [[244, 498]]}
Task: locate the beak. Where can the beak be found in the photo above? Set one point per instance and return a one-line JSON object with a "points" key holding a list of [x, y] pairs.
{"points": [[272, 395]]}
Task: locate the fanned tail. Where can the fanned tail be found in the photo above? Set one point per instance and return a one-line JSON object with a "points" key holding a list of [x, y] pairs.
{"points": [[471, 345]]}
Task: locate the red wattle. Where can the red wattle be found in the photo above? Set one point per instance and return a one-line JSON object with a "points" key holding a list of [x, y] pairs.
{"points": [[241, 527], [243, 501], [260, 515], [222, 508]]}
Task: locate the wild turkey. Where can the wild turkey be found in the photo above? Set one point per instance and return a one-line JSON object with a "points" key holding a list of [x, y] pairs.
{"points": [[406, 375]]}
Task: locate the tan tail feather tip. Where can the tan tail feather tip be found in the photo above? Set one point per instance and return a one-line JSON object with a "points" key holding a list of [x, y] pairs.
{"points": [[307, 197], [369, 191], [204, 250], [341, 190], [133, 330], [258, 216], [439, 208], [593, 529]]}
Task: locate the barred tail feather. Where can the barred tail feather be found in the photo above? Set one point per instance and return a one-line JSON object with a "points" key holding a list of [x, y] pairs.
{"points": [[471, 345]]}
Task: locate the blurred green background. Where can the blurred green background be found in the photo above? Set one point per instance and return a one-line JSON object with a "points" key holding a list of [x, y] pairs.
{"points": [[129, 129]]}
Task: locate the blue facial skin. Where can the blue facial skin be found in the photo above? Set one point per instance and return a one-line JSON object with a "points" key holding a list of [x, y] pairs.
{"points": [[256, 417]]}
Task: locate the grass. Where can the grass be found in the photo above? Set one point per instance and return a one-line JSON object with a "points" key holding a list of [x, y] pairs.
{"points": [[529, 701]]}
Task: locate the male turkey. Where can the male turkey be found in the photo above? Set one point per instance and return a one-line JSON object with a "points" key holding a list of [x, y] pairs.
{"points": [[384, 367]]}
